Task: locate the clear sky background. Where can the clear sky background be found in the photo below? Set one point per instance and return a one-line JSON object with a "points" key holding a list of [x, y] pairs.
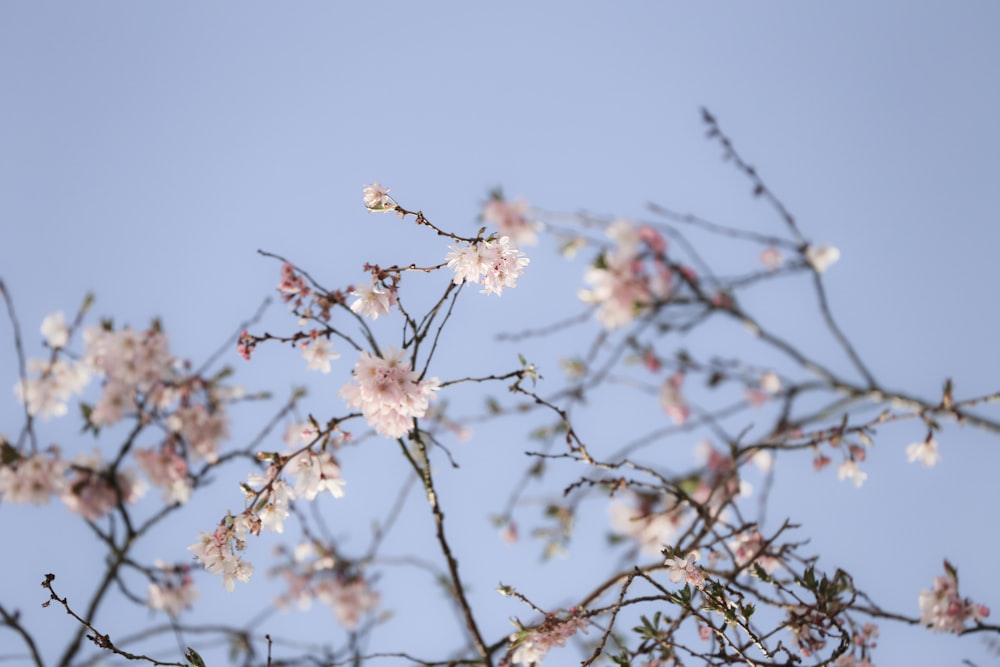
{"points": [[147, 150]]}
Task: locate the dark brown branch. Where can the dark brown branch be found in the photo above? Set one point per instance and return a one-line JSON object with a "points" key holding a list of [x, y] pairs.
{"points": [[100, 640]]}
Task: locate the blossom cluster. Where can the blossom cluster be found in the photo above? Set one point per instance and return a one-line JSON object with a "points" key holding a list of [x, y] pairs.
{"points": [[750, 547], [140, 379], [493, 263], [167, 469], [631, 277], [943, 610], [645, 521], [174, 591], [389, 392], [314, 574], [86, 485], [685, 568], [93, 490], [219, 551], [33, 479], [530, 646], [511, 220]]}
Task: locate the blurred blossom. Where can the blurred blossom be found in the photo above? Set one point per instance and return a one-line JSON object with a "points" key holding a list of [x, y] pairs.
{"points": [[926, 452], [45, 396], [943, 610], [510, 220], [530, 646], [672, 400], [90, 492], [167, 470], [771, 258], [849, 470], [625, 280], [822, 257], [55, 331], [34, 479]]}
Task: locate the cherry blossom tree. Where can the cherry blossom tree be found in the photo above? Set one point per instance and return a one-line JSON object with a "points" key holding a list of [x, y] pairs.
{"points": [[696, 569]]}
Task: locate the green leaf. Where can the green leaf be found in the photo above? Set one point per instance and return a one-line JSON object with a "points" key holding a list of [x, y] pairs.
{"points": [[622, 659], [8, 454], [193, 658], [761, 573]]}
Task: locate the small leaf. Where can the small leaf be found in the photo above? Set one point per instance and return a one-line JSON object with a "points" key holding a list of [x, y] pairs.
{"points": [[8, 454], [193, 658]]}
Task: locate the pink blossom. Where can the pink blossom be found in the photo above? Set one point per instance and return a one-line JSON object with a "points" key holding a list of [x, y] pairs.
{"points": [[509, 533], [55, 331], [943, 610], [749, 547], [926, 452], [276, 511], [349, 599], [318, 575], [90, 492], [202, 429], [651, 361], [624, 282], [373, 300], [218, 551], [721, 482], [34, 479], [510, 220], [649, 526], [653, 239], [685, 568], [315, 473], [822, 257], [297, 433], [388, 392], [617, 291], [45, 395], [672, 400], [167, 470], [292, 286], [763, 459], [771, 258], [245, 345], [133, 363], [530, 646], [770, 382], [318, 352], [377, 198], [496, 264], [175, 593], [755, 397], [849, 470], [136, 360]]}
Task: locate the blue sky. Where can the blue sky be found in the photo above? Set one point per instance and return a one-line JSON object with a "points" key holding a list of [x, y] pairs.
{"points": [[148, 150]]}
